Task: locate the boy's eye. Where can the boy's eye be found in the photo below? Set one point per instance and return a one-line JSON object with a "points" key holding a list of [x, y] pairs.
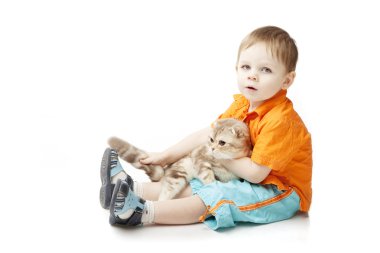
{"points": [[212, 140], [266, 70], [222, 143], [246, 67]]}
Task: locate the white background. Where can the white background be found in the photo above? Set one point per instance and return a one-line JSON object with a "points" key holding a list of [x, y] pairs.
{"points": [[74, 73]]}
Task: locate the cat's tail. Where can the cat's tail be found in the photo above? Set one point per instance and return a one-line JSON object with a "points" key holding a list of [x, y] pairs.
{"points": [[132, 155]]}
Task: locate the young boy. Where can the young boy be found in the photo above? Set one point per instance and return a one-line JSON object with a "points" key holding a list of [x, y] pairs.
{"points": [[275, 181]]}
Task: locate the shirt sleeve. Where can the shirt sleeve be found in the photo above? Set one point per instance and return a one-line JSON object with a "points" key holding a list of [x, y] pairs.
{"points": [[276, 144]]}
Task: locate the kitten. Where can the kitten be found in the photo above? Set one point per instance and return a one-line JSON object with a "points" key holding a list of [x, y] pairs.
{"points": [[229, 140]]}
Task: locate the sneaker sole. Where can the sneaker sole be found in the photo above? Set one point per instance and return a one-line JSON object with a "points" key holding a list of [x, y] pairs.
{"points": [[112, 218], [107, 187]]}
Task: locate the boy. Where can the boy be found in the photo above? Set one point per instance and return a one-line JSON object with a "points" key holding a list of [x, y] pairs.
{"points": [[275, 181]]}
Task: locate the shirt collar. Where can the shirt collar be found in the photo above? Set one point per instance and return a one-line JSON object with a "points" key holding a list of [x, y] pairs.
{"points": [[265, 107]]}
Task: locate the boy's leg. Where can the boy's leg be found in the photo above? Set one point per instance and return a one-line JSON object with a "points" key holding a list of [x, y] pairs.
{"points": [[179, 211], [128, 209], [151, 191]]}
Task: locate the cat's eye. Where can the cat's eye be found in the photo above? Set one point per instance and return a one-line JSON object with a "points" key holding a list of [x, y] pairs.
{"points": [[212, 140], [222, 143]]}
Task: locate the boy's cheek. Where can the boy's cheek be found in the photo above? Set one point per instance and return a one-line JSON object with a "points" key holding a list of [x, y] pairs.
{"points": [[240, 79]]}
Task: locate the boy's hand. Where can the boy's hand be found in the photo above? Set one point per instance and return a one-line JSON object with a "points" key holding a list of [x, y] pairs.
{"points": [[155, 159]]}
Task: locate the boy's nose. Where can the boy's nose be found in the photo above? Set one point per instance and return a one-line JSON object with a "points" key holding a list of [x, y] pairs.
{"points": [[252, 77]]}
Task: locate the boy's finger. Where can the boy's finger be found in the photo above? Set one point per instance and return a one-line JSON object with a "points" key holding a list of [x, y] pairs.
{"points": [[145, 161]]}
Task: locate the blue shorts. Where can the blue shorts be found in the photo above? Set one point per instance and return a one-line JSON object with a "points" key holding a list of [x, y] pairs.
{"points": [[241, 201]]}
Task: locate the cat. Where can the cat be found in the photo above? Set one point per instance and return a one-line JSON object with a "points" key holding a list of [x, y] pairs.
{"points": [[229, 139]]}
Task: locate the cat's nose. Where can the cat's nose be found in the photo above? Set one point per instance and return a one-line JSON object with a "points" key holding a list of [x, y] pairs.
{"points": [[212, 149]]}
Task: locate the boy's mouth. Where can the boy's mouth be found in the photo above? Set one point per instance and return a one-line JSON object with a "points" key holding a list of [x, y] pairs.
{"points": [[251, 88]]}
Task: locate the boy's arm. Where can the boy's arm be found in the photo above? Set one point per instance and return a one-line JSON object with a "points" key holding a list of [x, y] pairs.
{"points": [[179, 150], [247, 169]]}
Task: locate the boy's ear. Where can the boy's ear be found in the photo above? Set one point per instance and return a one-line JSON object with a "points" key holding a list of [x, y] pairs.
{"points": [[288, 81]]}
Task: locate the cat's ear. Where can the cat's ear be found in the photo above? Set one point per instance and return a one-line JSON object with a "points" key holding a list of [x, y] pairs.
{"points": [[218, 123], [237, 131]]}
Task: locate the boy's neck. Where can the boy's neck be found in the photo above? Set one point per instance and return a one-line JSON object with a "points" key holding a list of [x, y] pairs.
{"points": [[253, 106]]}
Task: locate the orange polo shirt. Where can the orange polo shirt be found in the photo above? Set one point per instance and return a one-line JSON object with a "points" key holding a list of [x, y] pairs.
{"points": [[281, 142]]}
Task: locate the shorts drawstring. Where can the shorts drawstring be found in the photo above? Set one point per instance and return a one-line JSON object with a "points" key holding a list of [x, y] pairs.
{"points": [[205, 214]]}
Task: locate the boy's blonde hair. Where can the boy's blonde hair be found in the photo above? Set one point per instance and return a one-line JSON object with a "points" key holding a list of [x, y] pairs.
{"points": [[282, 46]]}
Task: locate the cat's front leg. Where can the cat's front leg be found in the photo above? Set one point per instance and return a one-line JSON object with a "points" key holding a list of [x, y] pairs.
{"points": [[206, 175], [133, 155]]}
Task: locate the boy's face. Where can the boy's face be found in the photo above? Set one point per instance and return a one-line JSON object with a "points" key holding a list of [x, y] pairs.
{"points": [[260, 76]]}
